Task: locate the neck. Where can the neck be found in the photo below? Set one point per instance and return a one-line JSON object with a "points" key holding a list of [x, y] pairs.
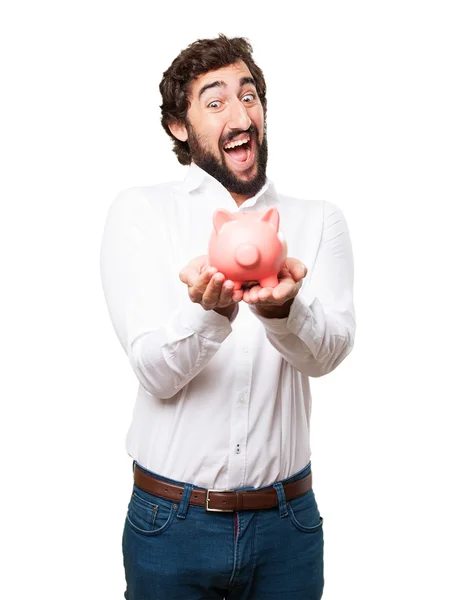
{"points": [[239, 198]]}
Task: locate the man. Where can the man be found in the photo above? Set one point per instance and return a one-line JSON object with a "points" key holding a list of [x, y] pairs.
{"points": [[224, 399]]}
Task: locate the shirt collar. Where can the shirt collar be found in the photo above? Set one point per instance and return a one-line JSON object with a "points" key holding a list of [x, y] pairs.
{"points": [[198, 180]]}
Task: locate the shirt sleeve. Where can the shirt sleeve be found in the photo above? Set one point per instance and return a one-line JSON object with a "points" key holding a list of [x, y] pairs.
{"points": [[168, 338], [319, 331]]}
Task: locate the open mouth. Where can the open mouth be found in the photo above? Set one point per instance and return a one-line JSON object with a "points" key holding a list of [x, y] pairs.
{"points": [[239, 149]]}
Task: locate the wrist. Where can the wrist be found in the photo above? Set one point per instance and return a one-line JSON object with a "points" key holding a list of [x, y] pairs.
{"points": [[226, 311], [280, 311]]}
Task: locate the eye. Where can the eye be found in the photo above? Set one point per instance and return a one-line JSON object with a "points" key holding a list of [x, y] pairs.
{"points": [[248, 98], [214, 104]]}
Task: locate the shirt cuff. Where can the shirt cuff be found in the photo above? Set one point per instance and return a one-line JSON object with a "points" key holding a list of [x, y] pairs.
{"points": [[207, 323], [295, 320]]}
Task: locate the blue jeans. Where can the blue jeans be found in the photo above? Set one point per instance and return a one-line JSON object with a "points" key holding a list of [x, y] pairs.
{"points": [[175, 551]]}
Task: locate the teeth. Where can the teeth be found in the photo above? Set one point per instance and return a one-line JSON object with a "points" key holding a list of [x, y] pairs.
{"points": [[237, 143]]}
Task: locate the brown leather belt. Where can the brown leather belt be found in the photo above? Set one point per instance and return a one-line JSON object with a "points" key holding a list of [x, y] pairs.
{"points": [[222, 500]]}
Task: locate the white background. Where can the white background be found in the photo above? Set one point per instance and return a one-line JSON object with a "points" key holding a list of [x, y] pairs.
{"points": [[357, 115]]}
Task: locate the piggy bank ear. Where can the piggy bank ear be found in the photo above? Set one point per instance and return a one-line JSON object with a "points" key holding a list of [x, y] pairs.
{"points": [[222, 216], [271, 216]]}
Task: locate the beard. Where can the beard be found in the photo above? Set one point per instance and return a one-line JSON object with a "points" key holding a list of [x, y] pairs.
{"points": [[217, 167]]}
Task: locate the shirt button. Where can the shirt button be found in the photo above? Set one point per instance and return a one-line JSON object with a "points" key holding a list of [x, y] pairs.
{"points": [[245, 349], [242, 398]]}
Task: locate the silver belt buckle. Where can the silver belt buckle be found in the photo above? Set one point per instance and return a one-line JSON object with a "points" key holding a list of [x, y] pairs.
{"points": [[217, 509]]}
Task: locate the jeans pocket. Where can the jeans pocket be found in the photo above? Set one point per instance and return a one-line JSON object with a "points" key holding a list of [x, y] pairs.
{"points": [[304, 513], [149, 515]]}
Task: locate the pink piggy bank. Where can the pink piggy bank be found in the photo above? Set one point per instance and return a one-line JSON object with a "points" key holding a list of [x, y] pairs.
{"points": [[247, 246]]}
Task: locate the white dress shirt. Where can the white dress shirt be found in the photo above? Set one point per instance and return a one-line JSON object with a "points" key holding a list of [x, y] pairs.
{"points": [[222, 403]]}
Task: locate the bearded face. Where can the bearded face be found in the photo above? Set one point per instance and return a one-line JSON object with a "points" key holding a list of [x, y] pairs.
{"points": [[225, 129], [241, 147]]}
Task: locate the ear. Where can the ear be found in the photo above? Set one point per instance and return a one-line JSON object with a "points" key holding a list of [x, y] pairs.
{"points": [[222, 216], [271, 216], [179, 130]]}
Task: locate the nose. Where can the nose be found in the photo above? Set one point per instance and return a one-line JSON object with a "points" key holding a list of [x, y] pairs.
{"points": [[247, 255], [238, 117]]}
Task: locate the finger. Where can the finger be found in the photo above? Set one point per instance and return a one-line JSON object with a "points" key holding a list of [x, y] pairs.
{"points": [[237, 295], [285, 290], [200, 263], [199, 286], [246, 296], [298, 270], [193, 268], [226, 293], [212, 292], [204, 266], [254, 293], [200, 282], [283, 273], [206, 275], [265, 294], [189, 274]]}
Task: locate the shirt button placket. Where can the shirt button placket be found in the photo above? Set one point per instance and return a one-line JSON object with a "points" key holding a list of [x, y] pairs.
{"points": [[240, 414]]}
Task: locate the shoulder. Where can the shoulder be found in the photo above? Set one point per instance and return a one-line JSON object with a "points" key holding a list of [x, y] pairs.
{"points": [[149, 198], [299, 204], [301, 210], [308, 208], [145, 206]]}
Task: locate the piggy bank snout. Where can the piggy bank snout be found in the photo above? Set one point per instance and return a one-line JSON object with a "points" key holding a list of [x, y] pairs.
{"points": [[247, 255]]}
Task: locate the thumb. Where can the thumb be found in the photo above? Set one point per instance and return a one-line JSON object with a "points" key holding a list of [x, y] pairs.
{"points": [[298, 270]]}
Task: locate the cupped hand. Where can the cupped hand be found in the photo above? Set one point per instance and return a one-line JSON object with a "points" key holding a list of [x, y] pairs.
{"points": [[290, 278], [208, 287]]}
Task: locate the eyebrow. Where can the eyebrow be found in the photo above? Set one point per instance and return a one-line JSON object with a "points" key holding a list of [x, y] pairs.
{"points": [[220, 83]]}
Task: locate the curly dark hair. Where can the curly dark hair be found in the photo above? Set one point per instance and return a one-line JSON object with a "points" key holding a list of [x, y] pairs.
{"points": [[195, 60]]}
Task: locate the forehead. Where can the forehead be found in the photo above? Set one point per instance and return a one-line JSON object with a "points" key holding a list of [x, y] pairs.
{"points": [[231, 75]]}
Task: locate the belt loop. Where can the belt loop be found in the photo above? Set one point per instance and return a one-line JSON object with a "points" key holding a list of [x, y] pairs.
{"points": [[183, 507], [281, 499]]}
